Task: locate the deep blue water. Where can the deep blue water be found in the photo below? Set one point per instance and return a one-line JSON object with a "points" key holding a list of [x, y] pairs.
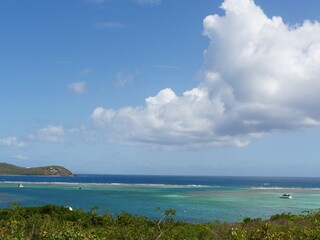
{"points": [[195, 198], [233, 182]]}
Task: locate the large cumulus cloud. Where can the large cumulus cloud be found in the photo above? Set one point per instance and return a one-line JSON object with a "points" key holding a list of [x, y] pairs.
{"points": [[260, 76]]}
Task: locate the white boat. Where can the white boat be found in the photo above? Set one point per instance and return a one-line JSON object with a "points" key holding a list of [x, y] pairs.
{"points": [[70, 208], [20, 185], [286, 196]]}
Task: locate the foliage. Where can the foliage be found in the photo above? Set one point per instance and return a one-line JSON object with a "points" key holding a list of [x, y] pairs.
{"points": [[9, 169], [58, 222]]}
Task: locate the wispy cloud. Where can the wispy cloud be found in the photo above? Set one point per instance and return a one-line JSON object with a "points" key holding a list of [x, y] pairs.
{"points": [[78, 87], [20, 157], [12, 142], [52, 133], [83, 132], [123, 78], [109, 25], [148, 2], [84, 72], [273, 85]]}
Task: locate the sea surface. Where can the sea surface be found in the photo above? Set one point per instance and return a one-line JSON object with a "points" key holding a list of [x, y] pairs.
{"points": [[195, 198]]}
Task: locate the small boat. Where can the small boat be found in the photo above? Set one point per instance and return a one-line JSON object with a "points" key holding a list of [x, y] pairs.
{"points": [[70, 208], [80, 187], [286, 196], [20, 185]]}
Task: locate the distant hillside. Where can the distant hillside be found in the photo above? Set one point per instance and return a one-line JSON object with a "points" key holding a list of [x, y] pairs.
{"points": [[9, 169]]}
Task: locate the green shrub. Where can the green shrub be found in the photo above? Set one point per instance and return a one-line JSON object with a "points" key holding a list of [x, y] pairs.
{"points": [[58, 222]]}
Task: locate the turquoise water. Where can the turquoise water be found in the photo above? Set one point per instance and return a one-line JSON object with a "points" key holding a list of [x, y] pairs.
{"points": [[196, 199], [194, 203]]}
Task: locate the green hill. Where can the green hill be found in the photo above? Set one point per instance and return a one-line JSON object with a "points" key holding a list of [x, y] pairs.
{"points": [[9, 169]]}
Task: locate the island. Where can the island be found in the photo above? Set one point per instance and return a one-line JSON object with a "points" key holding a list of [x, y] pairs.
{"points": [[10, 169]]}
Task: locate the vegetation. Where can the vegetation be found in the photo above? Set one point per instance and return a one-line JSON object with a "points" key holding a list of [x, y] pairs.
{"points": [[9, 169], [58, 222]]}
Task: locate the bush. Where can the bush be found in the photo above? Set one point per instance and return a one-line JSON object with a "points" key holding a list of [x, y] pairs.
{"points": [[58, 222]]}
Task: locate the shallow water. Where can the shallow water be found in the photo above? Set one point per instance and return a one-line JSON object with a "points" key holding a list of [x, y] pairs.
{"points": [[199, 201]]}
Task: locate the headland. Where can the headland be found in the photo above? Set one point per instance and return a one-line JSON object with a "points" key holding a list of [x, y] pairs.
{"points": [[10, 169]]}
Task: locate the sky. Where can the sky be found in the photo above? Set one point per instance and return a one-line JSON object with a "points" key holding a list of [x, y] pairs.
{"points": [[161, 87]]}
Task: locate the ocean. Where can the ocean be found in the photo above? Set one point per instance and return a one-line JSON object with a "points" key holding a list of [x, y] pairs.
{"points": [[195, 198]]}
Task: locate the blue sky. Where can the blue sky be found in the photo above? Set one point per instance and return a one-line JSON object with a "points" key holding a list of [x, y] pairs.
{"points": [[192, 87]]}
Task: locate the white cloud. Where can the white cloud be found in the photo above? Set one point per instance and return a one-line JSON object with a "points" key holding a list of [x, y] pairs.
{"points": [[78, 87], [12, 142], [148, 2], [52, 133], [260, 76]]}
